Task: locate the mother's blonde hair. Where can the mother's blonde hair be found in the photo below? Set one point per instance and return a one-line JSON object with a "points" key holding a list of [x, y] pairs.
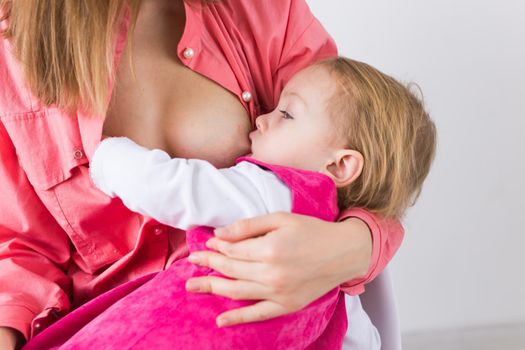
{"points": [[67, 47]]}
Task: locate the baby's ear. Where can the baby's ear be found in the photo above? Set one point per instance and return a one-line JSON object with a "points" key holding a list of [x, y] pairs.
{"points": [[344, 167]]}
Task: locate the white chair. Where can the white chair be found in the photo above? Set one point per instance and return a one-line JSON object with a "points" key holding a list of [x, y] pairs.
{"points": [[379, 302]]}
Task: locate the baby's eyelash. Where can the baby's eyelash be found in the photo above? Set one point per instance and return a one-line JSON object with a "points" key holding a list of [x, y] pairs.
{"points": [[286, 115]]}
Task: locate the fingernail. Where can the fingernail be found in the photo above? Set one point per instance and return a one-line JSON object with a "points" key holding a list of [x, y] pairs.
{"points": [[194, 259], [222, 322], [192, 286], [210, 243], [223, 231]]}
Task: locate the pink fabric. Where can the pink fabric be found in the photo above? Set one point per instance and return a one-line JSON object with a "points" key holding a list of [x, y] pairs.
{"points": [[63, 242], [387, 236], [162, 315]]}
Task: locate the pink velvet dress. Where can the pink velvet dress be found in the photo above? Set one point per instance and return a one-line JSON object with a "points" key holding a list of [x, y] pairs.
{"points": [[156, 312]]}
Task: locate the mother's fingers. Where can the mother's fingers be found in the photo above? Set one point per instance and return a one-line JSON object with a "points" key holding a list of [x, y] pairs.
{"points": [[253, 227], [233, 289], [238, 269], [260, 311], [252, 249]]}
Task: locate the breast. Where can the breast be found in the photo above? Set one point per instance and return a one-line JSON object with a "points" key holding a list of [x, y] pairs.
{"points": [[205, 121], [173, 108], [218, 135], [163, 104]]}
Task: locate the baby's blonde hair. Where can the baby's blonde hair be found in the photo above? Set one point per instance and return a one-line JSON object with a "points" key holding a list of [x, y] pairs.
{"points": [[387, 123]]}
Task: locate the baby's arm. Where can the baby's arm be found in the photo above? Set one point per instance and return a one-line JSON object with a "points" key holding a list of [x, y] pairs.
{"points": [[184, 192]]}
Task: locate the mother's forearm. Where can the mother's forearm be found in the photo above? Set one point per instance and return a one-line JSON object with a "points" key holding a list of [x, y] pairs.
{"points": [[374, 241], [355, 235]]}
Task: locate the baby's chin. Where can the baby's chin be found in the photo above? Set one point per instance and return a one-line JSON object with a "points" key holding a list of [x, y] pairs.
{"points": [[260, 158], [276, 159], [267, 159], [286, 162]]}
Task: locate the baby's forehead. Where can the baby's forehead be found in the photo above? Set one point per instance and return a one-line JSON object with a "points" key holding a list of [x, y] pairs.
{"points": [[311, 82], [314, 70]]}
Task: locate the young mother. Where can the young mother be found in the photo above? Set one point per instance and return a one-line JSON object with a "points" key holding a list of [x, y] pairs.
{"points": [[200, 74]]}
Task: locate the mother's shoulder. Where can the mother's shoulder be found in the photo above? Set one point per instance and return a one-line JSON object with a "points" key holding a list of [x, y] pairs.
{"points": [[266, 16]]}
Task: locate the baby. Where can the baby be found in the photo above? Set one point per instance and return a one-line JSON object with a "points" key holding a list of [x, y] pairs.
{"points": [[343, 135]]}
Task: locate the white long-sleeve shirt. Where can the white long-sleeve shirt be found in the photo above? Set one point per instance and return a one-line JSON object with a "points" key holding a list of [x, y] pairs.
{"points": [[187, 192]]}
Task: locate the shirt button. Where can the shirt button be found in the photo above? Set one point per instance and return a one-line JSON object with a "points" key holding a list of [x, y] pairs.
{"points": [[78, 153], [188, 53], [247, 96], [38, 325], [158, 230]]}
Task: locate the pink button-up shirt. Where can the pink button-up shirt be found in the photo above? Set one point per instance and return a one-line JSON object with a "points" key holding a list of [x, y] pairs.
{"points": [[62, 241]]}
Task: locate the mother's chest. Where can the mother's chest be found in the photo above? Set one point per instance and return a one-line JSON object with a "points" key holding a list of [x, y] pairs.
{"points": [[167, 106]]}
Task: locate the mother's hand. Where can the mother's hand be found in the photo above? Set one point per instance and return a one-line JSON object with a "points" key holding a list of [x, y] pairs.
{"points": [[284, 260]]}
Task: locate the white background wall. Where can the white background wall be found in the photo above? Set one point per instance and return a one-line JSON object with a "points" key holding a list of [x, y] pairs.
{"points": [[463, 260]]}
